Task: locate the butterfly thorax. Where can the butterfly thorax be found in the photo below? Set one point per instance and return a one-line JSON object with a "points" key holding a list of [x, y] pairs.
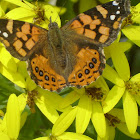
{"points": [[56, 45]]}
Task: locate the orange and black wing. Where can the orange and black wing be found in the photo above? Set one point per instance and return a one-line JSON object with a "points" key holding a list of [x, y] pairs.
{"points": [[20, 38], [90, 31], [101, 23]]}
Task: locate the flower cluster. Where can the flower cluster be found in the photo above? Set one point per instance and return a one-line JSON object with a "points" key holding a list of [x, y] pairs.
{"points": [[96, 111]]}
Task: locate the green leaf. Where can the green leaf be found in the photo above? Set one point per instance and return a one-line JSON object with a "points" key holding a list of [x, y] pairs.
{"points": [[83, 114], [98, 119], [112, 98], [64, 121], [130, 112], [120, 61], [132, 32], [111, 75]]}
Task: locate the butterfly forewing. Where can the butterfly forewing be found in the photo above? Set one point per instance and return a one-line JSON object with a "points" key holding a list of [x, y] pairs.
{"points": [[101, 23], [20, 38]]}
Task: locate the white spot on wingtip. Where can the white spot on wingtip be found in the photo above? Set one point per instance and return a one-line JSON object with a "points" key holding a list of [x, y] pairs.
{"points": [[112, 17], [5, 34], [118, 7], [118, 12], [0, 31], [115, 3]]}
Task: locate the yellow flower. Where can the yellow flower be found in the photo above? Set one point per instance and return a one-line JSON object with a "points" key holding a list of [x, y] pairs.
{"points": [[115, 119], [124, 86], [11, 123]]}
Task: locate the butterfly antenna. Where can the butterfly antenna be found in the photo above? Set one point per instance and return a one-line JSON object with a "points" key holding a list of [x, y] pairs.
{"points": [[60, 10]]}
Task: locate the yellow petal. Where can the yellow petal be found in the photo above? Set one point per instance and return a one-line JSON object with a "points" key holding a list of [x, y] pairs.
{"points": [[64, 121], [23, 119], [132, 32], [123, 128], [1, 113], [111, 75], [100, 83], [3, 136], [1, 12], [22, 13], [135, 78], [30, 84], [20, 3], [53, 99], [73, 136], [43, 138], [7, 60], [50, 12], [110, 133], [137, 98], [118, 113], [98, 119], [124, 47], [120, 61], [46, 108], [13, 117], [69, 99], [83, 114], [22, 99], [112, 98], [130, 112]]}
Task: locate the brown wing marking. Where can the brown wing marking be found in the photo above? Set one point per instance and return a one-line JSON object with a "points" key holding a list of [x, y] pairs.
{"points": [[44, 75], [89, 67]]}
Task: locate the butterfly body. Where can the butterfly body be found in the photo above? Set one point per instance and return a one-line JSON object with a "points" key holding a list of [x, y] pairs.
{"points": [[68, 56]]}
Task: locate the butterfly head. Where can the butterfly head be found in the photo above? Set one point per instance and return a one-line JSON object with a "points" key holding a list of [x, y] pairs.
{"points": [[52, 25]]}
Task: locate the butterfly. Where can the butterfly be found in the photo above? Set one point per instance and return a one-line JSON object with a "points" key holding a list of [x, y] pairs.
{"points": [[68, 56]]}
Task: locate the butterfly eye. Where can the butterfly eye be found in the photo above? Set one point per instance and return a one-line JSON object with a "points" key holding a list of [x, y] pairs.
{"points": [[87, 71], [94, 60], [41, 73], [91, 65]]}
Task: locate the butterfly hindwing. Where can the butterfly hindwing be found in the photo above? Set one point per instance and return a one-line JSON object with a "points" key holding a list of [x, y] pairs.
{"points": [[20, 38], [101, 23], [43, 75], [89, 66]]}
